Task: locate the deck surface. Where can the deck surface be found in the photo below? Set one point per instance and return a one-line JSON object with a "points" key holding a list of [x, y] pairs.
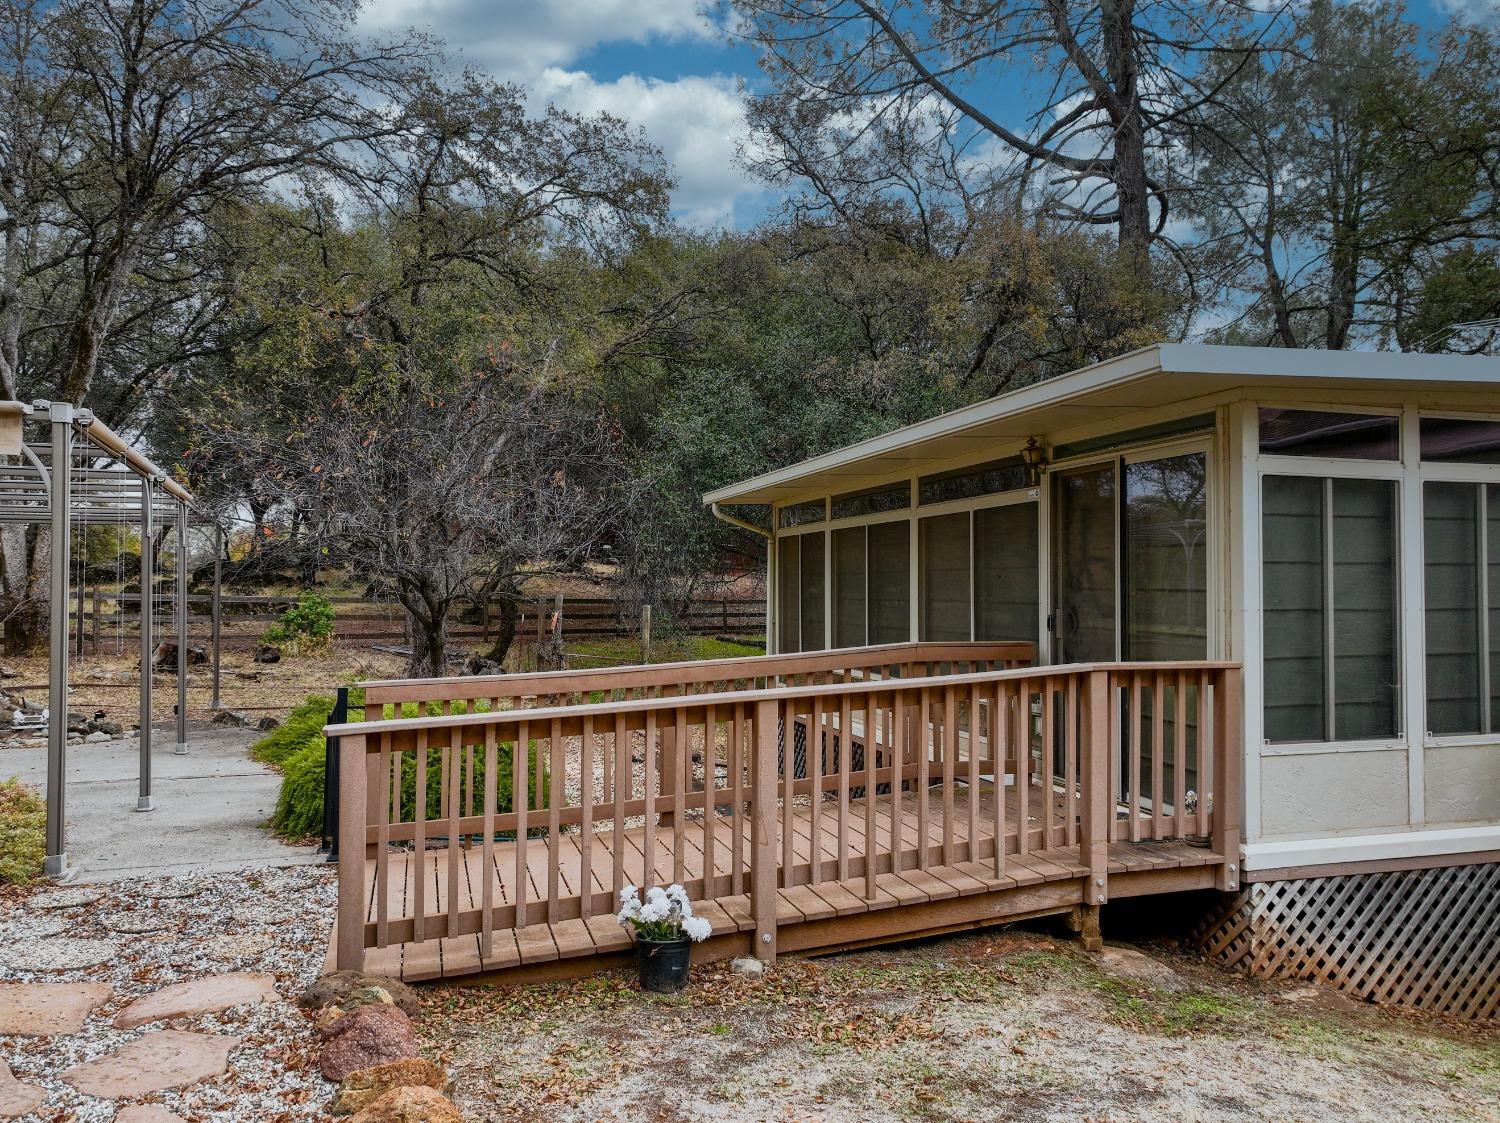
{"points": [[810, 916]]}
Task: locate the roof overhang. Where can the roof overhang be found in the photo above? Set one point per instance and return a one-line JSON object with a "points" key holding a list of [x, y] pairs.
{"points": [[1161, 375]]}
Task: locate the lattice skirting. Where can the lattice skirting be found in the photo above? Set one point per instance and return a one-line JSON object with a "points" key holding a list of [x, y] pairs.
{"points": [[1425, 938]]}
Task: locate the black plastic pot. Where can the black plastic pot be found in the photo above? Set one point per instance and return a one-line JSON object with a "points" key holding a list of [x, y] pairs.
{"points": [[663, 964]]}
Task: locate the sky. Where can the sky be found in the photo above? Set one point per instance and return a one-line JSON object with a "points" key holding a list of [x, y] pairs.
{"points": [[663, 65]]}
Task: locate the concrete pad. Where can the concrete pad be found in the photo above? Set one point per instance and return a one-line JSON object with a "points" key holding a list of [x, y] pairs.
{"points": [[41, 1009], [162, 1059], [210, 806], [198, 996]]}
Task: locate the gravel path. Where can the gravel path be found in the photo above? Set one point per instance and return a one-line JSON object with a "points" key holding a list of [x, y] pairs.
{"points": [[275, 921]]}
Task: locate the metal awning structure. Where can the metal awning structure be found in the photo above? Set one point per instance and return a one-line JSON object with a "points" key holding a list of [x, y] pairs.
{"points": [[40, 484]]}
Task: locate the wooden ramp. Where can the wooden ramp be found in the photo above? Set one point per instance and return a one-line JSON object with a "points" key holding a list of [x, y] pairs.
{"points": [[946, 895]]}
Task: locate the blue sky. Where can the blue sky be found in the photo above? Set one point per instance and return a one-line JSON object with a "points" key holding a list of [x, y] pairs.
{"points": [[660, 64]]}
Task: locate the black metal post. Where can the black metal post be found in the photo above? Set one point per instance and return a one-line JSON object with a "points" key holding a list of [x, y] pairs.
{"points": [[331, 776]]}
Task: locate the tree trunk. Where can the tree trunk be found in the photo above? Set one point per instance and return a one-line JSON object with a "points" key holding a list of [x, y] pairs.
{"points": [[1132, 191], [23, 587], [505, 634], [428, 625]]}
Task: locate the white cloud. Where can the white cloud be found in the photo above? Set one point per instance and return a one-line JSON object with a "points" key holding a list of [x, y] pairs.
{"points": [[517, 39], [699, 122]]}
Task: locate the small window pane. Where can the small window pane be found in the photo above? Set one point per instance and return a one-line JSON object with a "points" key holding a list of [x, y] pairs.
{"points": [[1450, 530], [872, 502], [1005, 572], [944, 577], [800, 514], [1460, 441], [1292, 588], [849, 587], [971, 482], [1345, 436], [1166, 558], [788, 579], [890, 582], [812, 592], [1365, 680]]}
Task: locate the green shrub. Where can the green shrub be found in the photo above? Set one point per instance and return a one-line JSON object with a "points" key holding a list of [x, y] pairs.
{"points": [[306, 626], [23, 832], [297, 748]]}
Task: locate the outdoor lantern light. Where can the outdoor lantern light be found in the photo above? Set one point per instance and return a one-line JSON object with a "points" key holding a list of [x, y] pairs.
{"points": [[1036, 459]]}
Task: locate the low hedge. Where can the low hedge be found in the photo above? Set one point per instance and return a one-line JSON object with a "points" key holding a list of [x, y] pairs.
{"points": [[297, 749]]}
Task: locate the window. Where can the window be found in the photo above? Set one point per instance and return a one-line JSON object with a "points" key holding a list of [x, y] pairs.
{"points": [[799, 592], [800, 514], [974, 481], [872, 502], [1005, 572], [1461, 553], [1329, 575], [849, 626], [1166, 558], [889, 571], [1460, 441], [944, 576], [1343, 436]]}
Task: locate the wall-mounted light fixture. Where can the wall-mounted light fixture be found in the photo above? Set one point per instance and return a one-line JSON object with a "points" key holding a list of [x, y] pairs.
{"points": [[1035, 457]]}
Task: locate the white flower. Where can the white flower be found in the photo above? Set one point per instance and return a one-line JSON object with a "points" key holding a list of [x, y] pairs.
{"points": [[696, 927], [655, 910], [628, 894]]}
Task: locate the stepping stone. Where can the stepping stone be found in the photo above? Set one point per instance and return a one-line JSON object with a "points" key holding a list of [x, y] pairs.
{"points": [[147, 1113], [171, 890], [137, 921], [17, 1099], [198, 996], [244, 946], [74, 897], [34, 928], [40, 1009], [58, 953], [153, 1062]]}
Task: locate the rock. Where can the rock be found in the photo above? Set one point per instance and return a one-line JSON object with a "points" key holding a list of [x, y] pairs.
{"points": [[111, 728], [42, 1009], [73, 897], [137, 921], [410, 1105], [164, 658], [1129, 963], [58, 953], [362, 1088], [267, 653], [336, 987], [96, 738], [147, 1113], [748, 966], [479, 665], [198, 996], [8, 672], [17, 1099], [161, 1059], [370, 1036], [231, 718], [267, 723]]}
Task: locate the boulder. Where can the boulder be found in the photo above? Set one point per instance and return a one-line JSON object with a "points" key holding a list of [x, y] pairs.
{"points": [[748, 966], [370, 1036], [1128, 963], [334, 988], [231, 718], [267, 653], [360, 1089], [164, 657], [267, 723], [410, 1105]]}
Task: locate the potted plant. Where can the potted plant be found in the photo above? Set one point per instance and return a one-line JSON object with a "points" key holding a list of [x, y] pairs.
{"points": [[664, 928]]}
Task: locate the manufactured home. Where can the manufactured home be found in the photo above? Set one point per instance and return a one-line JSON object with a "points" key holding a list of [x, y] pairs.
{"points": [[1214, 624]]}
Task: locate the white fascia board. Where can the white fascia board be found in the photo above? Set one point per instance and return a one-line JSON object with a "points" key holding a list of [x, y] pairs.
{"points": [[1284, 853]]}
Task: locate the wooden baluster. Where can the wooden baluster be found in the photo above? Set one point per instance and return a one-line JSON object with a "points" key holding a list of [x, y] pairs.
{"points": [[846, 762], [557, 787], [354, 786], [418, 875], [1049, 761], [901, 732], [487, 846], [874, 738], [973, 777], [520, 798], [1021, 735], [680, 750], [1070, 762], [1133, 716], [468, 785], [999, 722], [1159, 820], [1179, 755], [815, 775], [788, 788], [1098, 795], [737, 782], [710, 798], [949, 749], [586, 820], [383, 850], [763, 829], [454, 854], [924, 732], [620, 791], [648, 786]]}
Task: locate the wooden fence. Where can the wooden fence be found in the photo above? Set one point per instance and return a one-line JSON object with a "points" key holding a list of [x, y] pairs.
{"points": [[753, 778]]}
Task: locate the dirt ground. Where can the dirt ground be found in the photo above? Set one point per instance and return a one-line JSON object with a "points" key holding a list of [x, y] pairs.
{"points": [[1002, 1025]]}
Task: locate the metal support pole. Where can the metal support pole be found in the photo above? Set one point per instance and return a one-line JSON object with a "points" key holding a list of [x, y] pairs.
{"points": [[55, 862], [213, 703], [181, 748], [144, 802], [331, 776]]}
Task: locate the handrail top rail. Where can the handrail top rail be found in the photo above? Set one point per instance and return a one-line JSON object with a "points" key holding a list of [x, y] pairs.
{"points": [[477, 686], [767, 694]]}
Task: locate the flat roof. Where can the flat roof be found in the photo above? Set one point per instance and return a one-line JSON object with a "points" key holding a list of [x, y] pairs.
{"points": [[1159, 375]]}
